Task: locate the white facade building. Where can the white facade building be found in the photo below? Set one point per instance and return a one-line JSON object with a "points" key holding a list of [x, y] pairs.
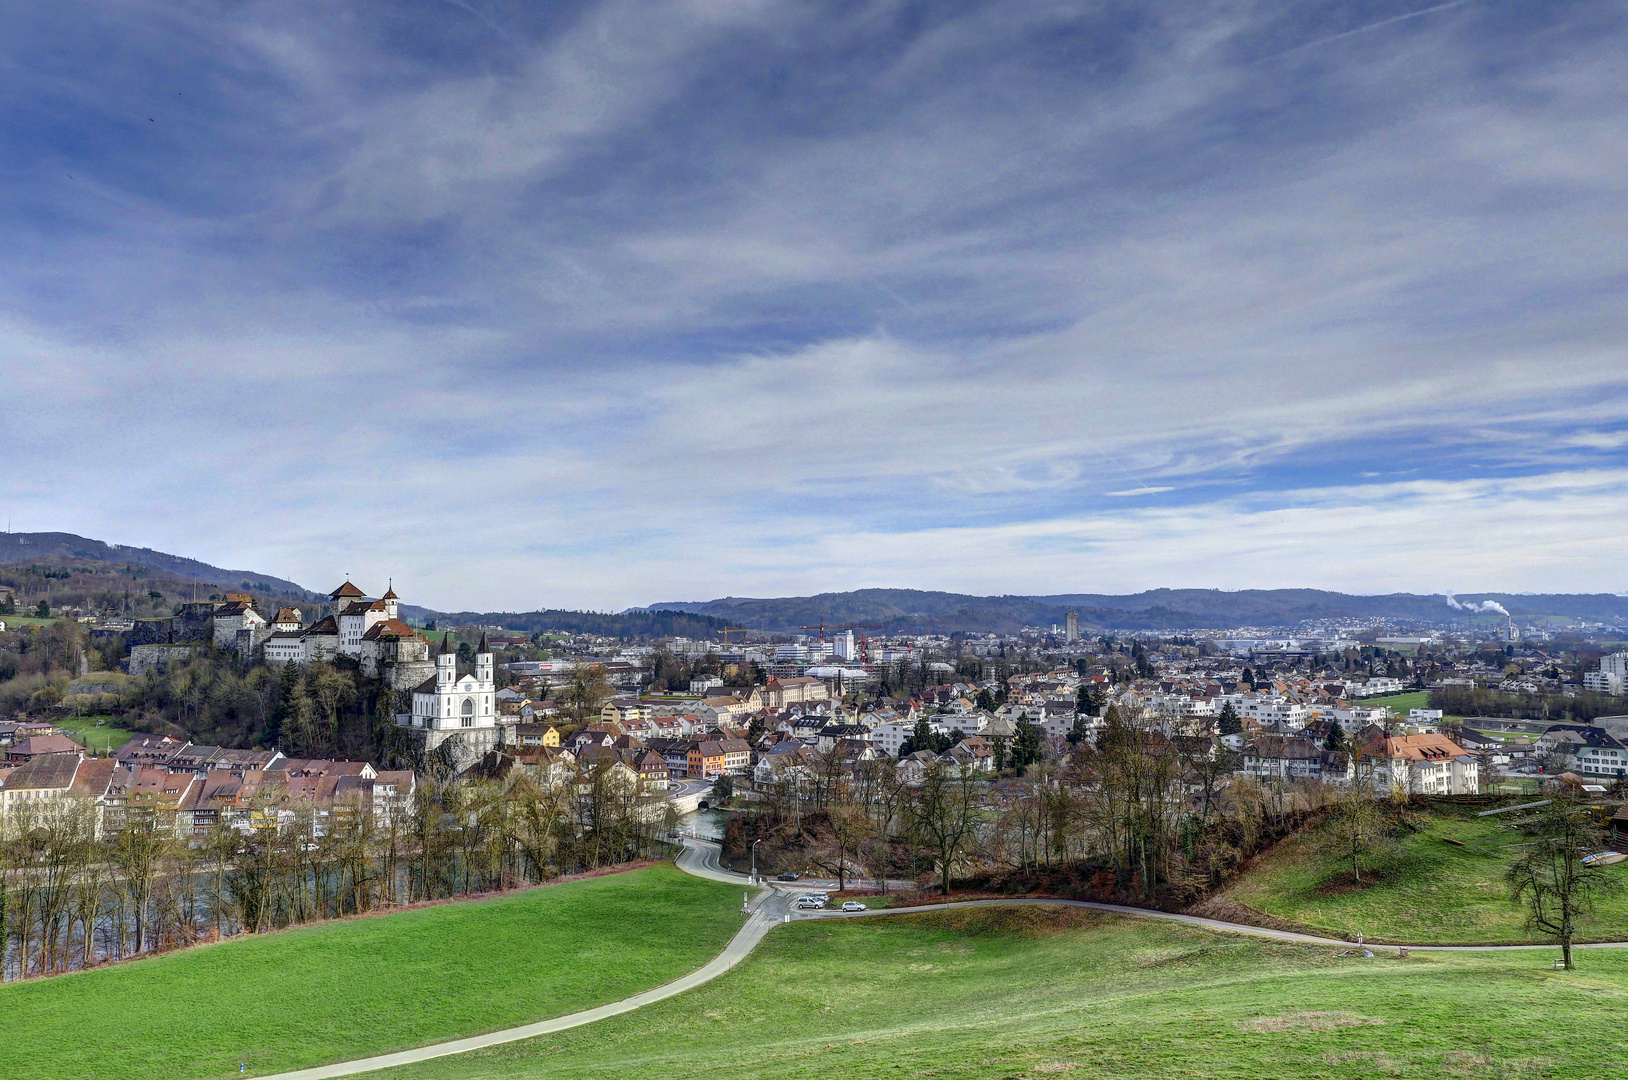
{"points": [[1612, 677], [448, 703], [842, 646]]}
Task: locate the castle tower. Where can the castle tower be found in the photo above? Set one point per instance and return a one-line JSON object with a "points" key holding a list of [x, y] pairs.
{"points": [[390, 602]]}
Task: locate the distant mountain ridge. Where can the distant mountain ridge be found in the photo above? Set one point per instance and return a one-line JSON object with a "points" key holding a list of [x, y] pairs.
{"points": [[891, 609], [21, 547], [1156, 609]]}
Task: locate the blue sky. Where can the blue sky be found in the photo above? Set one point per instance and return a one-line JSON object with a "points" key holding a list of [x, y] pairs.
{"points": [[599, 304]]}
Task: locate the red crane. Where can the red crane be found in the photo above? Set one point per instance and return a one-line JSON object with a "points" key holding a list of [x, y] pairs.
{"points": [[864, 643]]}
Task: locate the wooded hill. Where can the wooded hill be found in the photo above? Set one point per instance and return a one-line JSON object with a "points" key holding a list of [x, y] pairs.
{"points": [[58, 548], [627, 624]]}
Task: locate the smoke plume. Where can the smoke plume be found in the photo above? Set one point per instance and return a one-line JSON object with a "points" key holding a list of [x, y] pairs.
{"points": [[1488, 606]]}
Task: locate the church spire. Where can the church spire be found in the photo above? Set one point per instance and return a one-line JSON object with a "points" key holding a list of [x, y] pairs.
{"points": [[446, 643], [482, 648]]}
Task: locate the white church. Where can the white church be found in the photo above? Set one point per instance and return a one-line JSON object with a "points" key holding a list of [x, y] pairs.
{"points": [[447, 708]]}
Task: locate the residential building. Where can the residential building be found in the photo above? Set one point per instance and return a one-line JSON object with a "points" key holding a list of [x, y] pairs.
{"points": [[1590, 751], [35, 745], [710, 758], [1292, 757], [1429, 764]]}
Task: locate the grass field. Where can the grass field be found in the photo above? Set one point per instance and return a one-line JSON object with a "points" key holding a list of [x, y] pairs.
{"points": [[1401, 703], [1017, 993], [1428, 891], [366, 986], [85, 731], [24, 620]]}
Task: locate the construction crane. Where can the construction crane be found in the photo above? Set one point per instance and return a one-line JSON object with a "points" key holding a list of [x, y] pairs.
{"points": [[864, 643], [726, 631]]}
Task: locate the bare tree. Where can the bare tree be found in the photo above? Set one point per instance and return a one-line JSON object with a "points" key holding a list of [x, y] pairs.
{"points": [[1550, 875], [941, 813], [1358, 823]]}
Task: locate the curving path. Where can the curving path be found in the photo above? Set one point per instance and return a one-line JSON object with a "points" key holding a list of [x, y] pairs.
{"points": [[1194, 920], [766, 910], [771, 907]]}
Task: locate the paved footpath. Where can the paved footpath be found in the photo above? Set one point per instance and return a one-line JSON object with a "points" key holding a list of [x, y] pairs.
{"points": [[770, 908], [767, 911]]}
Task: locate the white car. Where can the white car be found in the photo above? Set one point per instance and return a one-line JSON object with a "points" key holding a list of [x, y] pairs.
{"points": [[809, 902], [852, 905]]}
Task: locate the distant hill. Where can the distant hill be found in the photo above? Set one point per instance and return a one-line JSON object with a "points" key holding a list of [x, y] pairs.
{"points": [[899, 610], [33, 547], [637, 623]]}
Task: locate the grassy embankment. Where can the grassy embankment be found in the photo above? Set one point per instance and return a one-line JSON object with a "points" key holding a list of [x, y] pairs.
{"points": [[1425, 890], [93, 732], [366, 986], [1017, 993]]}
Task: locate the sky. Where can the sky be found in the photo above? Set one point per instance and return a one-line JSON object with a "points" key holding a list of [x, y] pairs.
{"points": [[596, 304]]}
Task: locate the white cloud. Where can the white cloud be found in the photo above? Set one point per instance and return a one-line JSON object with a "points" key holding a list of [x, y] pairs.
{"points": [[596, 318]]}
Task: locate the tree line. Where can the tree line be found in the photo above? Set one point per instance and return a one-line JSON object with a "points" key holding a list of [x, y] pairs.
{"points": [[73, 895], [1137, 815]]}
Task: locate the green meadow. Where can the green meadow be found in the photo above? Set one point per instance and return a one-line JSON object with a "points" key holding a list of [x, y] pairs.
{"points": [[1423, 890], [366, 986], [1009, 993]]}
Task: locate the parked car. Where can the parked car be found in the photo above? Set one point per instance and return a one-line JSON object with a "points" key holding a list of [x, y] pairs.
{"points": [[789, 875], [852, 905], [810, 902]]}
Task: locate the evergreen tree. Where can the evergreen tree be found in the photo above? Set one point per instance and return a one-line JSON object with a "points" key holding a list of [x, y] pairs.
{"points": [[1025, 745], [1336, 740], [1229, 724]]}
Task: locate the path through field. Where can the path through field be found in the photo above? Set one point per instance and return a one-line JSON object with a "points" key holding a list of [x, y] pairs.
{"points": [[771, 906]]}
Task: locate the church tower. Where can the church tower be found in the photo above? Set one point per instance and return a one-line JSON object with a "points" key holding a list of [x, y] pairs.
{"points": [[483, 666], [446, 666]]}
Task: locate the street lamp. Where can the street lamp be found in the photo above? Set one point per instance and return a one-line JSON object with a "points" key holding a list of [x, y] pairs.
{"points": [[755, 843]]}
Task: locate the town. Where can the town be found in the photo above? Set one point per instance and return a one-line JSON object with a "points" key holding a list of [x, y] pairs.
{"points": [[567, 752], [790, 541]]}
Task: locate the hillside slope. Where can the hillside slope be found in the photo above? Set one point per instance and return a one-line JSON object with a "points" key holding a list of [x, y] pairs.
{"points": [[1020, 994], [53, 546]]}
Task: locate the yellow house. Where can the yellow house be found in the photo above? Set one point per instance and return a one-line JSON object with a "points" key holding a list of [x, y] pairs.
{"points": [[534, 735]]}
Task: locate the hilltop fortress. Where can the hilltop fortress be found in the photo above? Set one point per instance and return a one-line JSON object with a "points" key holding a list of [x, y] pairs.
{"points": [[355, 625]]}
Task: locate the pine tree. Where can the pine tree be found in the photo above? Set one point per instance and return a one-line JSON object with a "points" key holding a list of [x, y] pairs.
{"points": [[1336, 740], [1229, 724], [1025, 745]]}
